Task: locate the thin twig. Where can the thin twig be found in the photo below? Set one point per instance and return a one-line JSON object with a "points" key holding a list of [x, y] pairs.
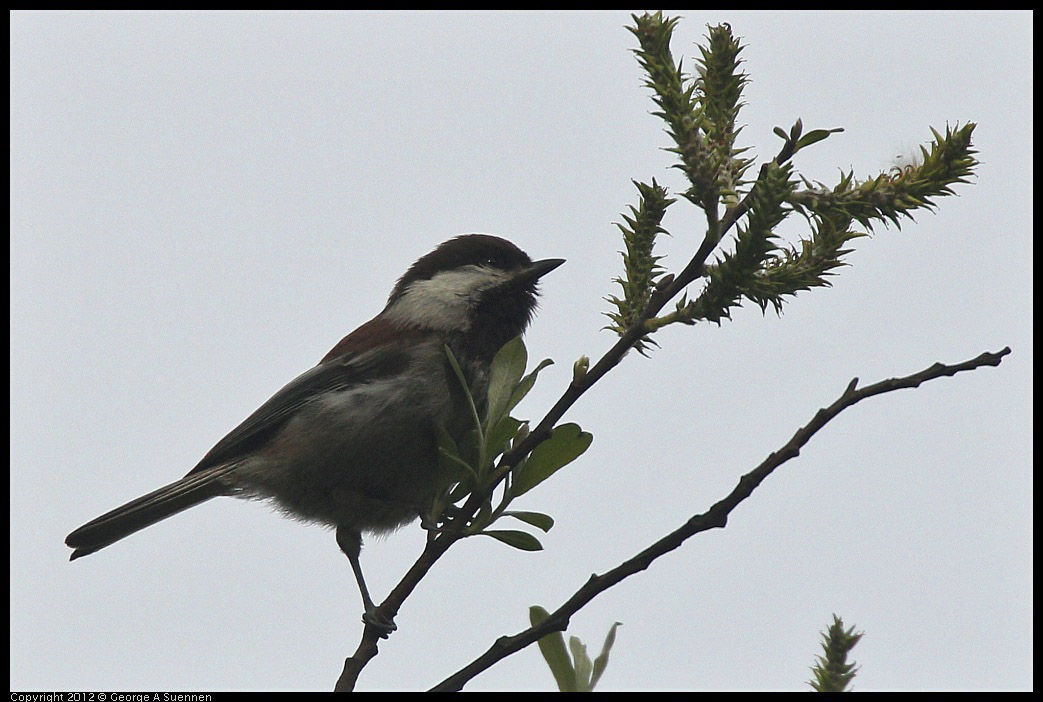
{"points": [[715, 517]]}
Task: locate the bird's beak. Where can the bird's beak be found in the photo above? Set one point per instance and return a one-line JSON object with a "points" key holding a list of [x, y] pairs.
{"points": [[538, 269]]}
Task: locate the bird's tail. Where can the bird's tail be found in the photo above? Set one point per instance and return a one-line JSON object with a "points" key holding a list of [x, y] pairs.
{"points": [[148, 509]]}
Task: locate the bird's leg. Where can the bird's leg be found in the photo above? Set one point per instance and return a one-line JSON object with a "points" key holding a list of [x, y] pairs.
{"points": [[350, 542]]}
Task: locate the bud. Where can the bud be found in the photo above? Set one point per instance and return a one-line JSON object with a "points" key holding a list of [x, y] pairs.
{"points": [[521, 435], [579, 368]]}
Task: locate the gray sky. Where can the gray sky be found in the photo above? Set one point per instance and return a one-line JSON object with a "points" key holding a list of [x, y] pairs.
{"points": [[203, 204]]}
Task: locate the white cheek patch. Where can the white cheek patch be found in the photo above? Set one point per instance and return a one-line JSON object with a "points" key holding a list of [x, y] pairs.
{"points": [[444, 301]]}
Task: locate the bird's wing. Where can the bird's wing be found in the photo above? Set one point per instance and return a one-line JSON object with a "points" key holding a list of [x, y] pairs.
{"points": [[344, 371]]}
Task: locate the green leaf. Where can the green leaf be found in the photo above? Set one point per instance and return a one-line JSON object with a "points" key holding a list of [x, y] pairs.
{"points": [[463, 384], [507, 369], [552, 646], [450, 460], [601, 661], [526, 384], [796, 129], [460, 491], [566, 443], [446, 444], [505, 430], [814, 136], [536, 519], [520, 540], [779, 131], [581, 664]]}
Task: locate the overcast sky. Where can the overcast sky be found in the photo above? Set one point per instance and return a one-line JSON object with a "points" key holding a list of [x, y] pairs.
{"points": [[202, 204]]}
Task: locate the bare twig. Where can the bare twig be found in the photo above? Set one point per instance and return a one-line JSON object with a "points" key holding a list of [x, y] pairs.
{"points": [[715, 517]]}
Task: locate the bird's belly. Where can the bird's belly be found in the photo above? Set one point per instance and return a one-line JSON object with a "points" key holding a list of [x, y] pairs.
{"points": [[365, 458]]}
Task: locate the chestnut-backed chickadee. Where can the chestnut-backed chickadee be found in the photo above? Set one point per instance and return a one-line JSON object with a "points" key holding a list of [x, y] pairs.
{"points": [[352, 443]]}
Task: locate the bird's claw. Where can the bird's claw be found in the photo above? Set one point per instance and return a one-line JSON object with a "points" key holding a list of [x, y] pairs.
{"points": [[372, 617]]}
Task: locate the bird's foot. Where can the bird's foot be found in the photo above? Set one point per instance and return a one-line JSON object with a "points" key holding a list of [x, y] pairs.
{"points": [[383, 625]]}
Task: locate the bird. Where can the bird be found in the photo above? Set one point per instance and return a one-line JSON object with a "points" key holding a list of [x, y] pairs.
{"points": [[352, 443]]}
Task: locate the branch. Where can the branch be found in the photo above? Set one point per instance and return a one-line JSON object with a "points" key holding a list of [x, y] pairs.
{"points": [[716, 517], [673, 98], [371, 635]]}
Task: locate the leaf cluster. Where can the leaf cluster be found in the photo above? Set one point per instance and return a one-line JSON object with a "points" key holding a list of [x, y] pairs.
{"points": [[741, 273], [470, 467], [576, 673], [948, 160], [700, 111], [832, 671], [719, 88], [701, 118], [641, 269]]}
